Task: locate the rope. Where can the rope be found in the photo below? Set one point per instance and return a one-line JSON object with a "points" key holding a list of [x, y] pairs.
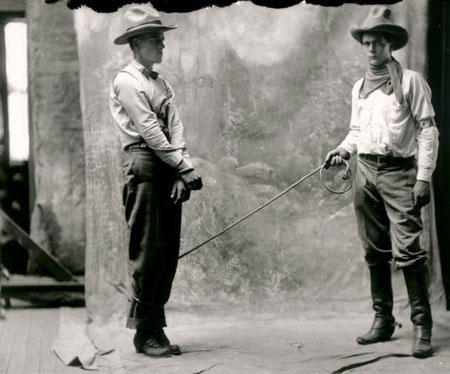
{"points": [[346, 176]]}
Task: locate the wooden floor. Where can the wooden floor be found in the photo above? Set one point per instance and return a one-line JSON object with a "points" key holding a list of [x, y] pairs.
{"points": [[26, 337], [308, 343]]}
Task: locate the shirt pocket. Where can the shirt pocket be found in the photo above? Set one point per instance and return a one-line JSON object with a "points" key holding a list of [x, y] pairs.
{"points": [[397, 119]]}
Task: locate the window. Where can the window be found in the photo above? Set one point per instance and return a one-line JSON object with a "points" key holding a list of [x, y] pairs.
{"points": [[17, 89]]}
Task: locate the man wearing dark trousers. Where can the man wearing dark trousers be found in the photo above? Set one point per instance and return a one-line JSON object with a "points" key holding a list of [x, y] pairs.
{"points": [[158, 177], [393, 132]]}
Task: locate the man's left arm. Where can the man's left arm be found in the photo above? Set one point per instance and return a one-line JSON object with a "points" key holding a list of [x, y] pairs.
{"points": [[427, 138], [189, 176], [177, 131]]}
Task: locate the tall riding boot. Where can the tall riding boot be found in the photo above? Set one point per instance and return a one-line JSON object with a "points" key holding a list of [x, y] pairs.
{"points": [[381, 289], [417, 286]]}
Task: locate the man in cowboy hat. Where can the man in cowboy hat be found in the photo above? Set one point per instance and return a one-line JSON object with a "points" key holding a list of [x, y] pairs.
{"points": [[158, 177], [393, 132]]}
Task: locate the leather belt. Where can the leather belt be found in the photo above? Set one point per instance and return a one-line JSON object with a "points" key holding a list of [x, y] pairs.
{"points": [[386, 159], [137, 146]]}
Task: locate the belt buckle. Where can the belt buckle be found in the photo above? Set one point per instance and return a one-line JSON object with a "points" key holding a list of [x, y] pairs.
{"points": [[387, 159], [383, 159]]}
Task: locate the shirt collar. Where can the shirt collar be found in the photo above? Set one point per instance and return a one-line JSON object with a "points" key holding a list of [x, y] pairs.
{"points": [[137, 65]]}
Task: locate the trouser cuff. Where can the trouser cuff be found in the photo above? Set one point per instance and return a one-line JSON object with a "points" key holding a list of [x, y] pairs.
{"points": [[145, 323]]}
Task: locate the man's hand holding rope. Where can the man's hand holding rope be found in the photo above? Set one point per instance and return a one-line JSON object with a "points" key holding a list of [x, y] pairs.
{"points": [[336, 157]]}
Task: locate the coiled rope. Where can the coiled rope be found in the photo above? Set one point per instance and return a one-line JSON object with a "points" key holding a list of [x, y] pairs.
{"points": [[346, 175]]}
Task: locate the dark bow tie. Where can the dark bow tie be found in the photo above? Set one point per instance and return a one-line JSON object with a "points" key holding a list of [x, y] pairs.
{"points": [[150, 74]]}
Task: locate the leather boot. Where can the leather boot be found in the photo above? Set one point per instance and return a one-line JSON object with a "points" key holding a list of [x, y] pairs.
{"points": [[165, 342], [417, 286], [383, 325], [422, 342], [146, 342]]}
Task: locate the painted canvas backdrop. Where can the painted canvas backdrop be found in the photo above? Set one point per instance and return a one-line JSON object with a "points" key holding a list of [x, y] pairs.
{"points": [[263, 94]]}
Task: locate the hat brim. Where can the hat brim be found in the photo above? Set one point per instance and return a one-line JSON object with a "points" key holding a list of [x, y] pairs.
{"points": [[399, 35], [123, 39]]}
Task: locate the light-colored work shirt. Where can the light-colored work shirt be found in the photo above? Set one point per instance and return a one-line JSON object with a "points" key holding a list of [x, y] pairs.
{"points": [[145, 115], [380, 125]]}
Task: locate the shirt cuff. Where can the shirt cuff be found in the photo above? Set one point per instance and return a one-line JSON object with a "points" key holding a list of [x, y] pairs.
{"points": [[424, 175], [347, 147], [184, 166]]}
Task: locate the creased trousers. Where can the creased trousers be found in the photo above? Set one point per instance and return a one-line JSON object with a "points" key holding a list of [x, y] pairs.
{"points": [[385, 212], [155, 223]]}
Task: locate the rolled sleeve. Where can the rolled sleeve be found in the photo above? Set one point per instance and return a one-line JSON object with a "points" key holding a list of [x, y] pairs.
{"points": [[427, 147]]}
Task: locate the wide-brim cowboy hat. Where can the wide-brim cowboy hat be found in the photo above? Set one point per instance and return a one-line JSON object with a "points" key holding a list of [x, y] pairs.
{"points": [[141, 19], [381, 19]]}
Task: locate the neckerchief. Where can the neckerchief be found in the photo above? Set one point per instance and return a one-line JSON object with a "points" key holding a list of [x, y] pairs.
{"points": [[386, 77]]}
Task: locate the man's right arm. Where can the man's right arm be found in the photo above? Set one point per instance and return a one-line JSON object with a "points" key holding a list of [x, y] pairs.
{"points": [[349, 145], [136, 105]]}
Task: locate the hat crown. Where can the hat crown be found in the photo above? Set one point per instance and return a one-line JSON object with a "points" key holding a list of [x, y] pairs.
{"points": [[381, 19], [139, 15], [379, 15], [140, 19]]}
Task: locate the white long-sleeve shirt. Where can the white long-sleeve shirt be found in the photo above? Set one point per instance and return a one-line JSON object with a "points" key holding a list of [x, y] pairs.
{"points": [[380, 125], [137, 105]]}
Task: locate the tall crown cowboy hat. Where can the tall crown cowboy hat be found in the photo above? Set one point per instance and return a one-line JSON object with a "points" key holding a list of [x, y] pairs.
{"points": [[381, 19], [141, 19]]}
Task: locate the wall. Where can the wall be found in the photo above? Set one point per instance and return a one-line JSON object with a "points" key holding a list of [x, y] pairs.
{"points": [[57, 152]]}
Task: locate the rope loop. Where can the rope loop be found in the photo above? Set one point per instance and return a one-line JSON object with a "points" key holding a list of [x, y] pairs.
{"points": [[346, 175]]}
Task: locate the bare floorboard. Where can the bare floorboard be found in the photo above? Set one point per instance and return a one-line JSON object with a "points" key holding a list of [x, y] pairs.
{"points": [[19, 341], [26, 338], [11, 329], [34, 339]]}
